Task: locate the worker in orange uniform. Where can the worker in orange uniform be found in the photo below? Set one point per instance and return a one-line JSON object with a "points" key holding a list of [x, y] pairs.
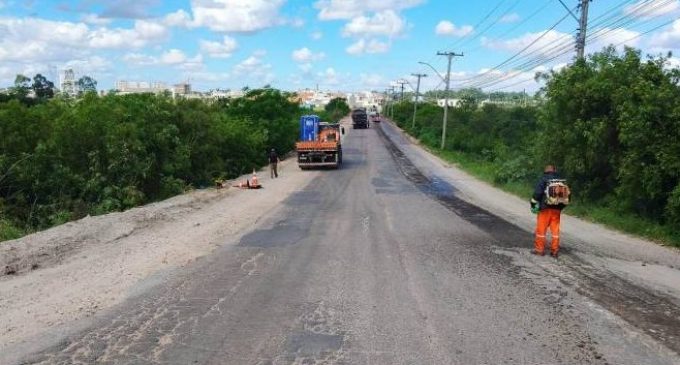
{"points": [[548, 214]]}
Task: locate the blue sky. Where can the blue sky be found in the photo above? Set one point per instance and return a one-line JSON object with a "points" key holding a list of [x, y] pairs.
{"points": [[343, 45]]}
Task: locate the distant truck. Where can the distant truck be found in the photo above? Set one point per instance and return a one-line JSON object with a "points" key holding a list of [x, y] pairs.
{"points": [[320, 143], [359, 119], [374, 116]]}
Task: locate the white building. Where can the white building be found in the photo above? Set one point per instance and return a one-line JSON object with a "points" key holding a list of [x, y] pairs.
{"points": [[366, 99], [67, 84], [452, 102], [136, 87]]}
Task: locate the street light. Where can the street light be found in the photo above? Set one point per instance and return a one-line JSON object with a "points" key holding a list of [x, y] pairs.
{"points": [[433, 69], [450, 56]]}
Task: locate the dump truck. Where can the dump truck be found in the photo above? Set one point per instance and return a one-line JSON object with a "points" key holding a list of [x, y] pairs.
{"points": [[359, 118], [320, 143]]}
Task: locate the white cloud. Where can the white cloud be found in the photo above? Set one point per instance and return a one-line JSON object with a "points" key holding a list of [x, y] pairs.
{"points": [[445, 27], [674, 62], [348, 9], [387, 23], [255, 69], [510, 18], [35, 40], [236, 15], [316, 35], [669, 38], [180, 18], [90, 65], [192, 64], [329, 76], [647, 9], [372, 46], [607, 36], [95, 19], [222, 49], [173, 57], [138, 59], [143, 33], [305, 55]]}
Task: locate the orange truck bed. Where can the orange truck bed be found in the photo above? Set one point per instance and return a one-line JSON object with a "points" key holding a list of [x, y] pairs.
{"points": [[316, 146]]}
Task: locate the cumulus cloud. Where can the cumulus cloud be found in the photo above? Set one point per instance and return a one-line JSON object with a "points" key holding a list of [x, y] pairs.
{"points": [[180, 18], [255, 69], [447, 28], [222, 49], [668, 38], [306, 55], [387, 23], [372, 46], [173, 57], [236, 15], [647, 9], [316, 35], [349, 9], [607, 36], [28, 40]]}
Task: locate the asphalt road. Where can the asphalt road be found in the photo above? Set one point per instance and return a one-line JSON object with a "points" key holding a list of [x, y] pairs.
{"points": [[376, 263]]}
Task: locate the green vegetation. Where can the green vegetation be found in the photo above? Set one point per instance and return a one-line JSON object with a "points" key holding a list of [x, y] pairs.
{"points": [[62, 159], [335, 110], [612, 125]]}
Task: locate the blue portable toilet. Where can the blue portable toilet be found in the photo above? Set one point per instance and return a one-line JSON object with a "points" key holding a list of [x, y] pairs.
{"points": [[309, 127]]}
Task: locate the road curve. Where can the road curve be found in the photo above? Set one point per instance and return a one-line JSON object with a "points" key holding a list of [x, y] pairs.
{"points": [[380, 263]]}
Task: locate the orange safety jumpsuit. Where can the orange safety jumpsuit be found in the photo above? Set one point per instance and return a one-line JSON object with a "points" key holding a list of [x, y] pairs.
{"points": [[548, 218]]}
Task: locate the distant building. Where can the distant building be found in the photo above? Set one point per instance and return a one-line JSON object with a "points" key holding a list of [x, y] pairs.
{"points": [[366, 99], [452, 102], [67, 83], [137, 87], [224, 94], [183, 89]]}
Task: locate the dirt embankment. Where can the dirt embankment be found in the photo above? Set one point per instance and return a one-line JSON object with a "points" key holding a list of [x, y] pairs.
{"points": [[73, 271]]}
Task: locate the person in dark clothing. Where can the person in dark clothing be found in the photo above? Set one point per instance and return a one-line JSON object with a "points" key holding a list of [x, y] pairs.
{"points": [[273, 163], [548, 215]]}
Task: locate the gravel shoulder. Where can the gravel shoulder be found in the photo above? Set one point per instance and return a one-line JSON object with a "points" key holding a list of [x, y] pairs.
{"points": [[72, 272]]}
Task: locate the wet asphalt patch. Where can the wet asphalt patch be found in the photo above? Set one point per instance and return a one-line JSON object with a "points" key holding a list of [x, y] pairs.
{"points": [[652, 312]]}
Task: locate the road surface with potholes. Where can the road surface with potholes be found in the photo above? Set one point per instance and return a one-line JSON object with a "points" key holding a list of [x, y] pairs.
{"points": [[381, 263]]}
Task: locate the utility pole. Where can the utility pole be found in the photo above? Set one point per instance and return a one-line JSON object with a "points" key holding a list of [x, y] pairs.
{"points": [[391, 102], [583, 26], [401, 83], [415, 103], [450, 56]]}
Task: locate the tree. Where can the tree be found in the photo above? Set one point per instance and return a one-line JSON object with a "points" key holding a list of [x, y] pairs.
{"points": [[43, 88], [86, 84], [337, 108], [612, 122], [22, 85]]}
